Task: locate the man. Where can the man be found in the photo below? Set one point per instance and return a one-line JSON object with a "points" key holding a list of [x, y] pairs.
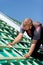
{"points": [[34, 30]]}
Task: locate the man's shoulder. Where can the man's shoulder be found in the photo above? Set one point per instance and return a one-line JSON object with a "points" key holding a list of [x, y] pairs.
{"points": [[36, 23]]}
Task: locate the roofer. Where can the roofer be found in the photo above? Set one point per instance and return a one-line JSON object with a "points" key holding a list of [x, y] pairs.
{"points": [[34, 30]]}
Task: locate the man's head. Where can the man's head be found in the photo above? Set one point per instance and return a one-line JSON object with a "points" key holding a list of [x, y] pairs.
{"points": [[27, 24]]}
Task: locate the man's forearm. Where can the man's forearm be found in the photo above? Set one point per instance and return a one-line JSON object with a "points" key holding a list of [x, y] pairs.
{"points": [[32, 47], [30, 51], [17, 39]]}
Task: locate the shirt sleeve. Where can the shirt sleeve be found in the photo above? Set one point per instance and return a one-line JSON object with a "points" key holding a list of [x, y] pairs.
{"points": [[37, 34], [21, 30]]}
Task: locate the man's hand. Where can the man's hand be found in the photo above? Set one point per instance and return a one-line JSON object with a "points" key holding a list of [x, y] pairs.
{"points": [[27, 55]]}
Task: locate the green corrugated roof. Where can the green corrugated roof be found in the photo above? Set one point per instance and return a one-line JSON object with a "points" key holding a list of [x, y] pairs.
{"points": [[7, 54]]}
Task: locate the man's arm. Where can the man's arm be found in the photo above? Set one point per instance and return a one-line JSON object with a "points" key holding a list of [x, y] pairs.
{"points": [[34, 42], [36, 37], [18, 38]]}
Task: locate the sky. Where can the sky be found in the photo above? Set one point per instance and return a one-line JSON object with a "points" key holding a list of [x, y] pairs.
{"points": [[21, 9]]}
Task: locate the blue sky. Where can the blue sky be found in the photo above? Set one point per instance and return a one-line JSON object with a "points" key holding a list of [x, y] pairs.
{"points": [[21, 9]]}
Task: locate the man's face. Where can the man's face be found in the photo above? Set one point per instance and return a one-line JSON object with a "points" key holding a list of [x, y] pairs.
{"points": [[27, 27]]}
